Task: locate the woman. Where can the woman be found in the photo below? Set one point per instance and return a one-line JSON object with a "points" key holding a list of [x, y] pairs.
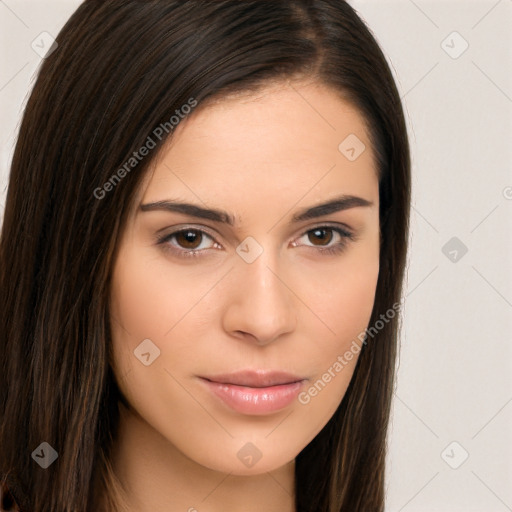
{"points": [[201, 262]]}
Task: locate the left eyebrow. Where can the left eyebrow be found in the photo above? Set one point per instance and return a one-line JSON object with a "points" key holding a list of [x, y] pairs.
{"points": [[337, 204]]}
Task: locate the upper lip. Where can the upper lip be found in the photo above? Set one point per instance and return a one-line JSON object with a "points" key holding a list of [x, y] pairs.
{"points": [[255, 378]]}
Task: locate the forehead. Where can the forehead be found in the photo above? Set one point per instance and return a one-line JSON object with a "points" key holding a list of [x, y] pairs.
{"points": [[287, 140]]}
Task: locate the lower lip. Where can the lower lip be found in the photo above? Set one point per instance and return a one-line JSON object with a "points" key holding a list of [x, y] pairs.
{"points": [[247, 400]]}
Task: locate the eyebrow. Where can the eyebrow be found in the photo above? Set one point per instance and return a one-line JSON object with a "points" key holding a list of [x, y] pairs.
{"points": [[337, 204]]}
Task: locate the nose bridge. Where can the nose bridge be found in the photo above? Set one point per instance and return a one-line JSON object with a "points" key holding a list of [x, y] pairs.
{"points": [[264, 305], [261, 280]]}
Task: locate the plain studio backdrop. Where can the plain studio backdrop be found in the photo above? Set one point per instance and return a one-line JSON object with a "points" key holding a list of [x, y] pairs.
{"points": [[450, 443]]}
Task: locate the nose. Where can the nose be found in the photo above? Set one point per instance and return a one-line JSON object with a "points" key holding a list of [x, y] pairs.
{"points": [[261, 306]]}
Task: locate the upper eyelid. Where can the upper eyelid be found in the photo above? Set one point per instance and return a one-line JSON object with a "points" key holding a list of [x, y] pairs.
{"points": [[204, 229], [207, 230]]}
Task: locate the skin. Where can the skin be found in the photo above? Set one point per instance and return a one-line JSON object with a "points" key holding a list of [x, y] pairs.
{"points": [[262, 157]]}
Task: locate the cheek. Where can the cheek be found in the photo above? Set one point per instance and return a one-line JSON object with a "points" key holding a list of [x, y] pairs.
{"points": [[144, 307], [345, 301], [345, 307], [138, 308], [149, 297], [153, 300], [353, 300]]}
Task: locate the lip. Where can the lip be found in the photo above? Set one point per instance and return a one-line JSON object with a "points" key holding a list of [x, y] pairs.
{"points": [[255, 378], [255, 392]]}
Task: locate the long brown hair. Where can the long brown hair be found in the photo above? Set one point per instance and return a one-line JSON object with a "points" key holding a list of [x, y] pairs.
{"points": [[122, 69]]}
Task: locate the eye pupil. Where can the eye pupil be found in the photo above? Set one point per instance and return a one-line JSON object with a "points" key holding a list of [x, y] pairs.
{"points": [[320, 233], [189, 237]]}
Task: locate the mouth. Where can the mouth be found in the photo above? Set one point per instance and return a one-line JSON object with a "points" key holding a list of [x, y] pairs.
{"points": [[255, 392], [255, 378]]}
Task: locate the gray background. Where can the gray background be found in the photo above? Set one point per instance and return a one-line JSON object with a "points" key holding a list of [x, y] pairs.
{"points": [[454, 389]]}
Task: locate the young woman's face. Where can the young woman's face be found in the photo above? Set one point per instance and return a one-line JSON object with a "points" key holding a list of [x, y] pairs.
{"points": [[196, 298]]}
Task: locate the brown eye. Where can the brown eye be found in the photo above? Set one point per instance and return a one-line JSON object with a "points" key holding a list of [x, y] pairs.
{"points": [[327, 240], [323, 234], [189, 238], [188, 242]]}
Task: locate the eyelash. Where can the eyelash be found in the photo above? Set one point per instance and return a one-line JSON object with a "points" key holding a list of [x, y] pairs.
{"points": [[338, 248]]}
